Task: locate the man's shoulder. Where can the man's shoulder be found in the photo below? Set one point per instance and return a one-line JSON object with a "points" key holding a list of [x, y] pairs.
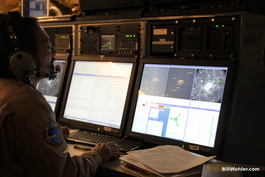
{"points": [[19, 94]]}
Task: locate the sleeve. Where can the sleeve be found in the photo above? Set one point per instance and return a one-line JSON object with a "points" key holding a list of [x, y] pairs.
{"points": [[94, 160], [41, 148]]}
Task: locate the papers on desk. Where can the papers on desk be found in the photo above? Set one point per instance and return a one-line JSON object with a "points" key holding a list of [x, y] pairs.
{"points": [[165, 160]]}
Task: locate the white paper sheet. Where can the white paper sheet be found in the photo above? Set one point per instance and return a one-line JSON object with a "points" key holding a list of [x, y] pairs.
{"points": [[168, 158]]}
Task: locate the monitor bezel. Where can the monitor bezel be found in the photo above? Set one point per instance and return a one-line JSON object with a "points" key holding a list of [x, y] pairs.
{"points": [[95, 127], [224, 112]]}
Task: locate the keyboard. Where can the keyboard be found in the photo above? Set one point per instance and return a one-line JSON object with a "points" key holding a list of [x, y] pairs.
{"points": [[94, 138]]}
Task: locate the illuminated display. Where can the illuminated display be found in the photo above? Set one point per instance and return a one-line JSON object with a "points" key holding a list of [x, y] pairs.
{"points": [[130, 35], [179, 102], [217, 26], [98, 92], [108, 42], [62, 43]]}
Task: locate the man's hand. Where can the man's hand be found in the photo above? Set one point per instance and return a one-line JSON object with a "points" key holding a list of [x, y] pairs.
{"points": [[65, 131], [107, 151]]}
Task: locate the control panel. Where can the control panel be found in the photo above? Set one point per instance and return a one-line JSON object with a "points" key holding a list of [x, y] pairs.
{"points": [[127, 43], [213, 37], [62, 42], [61, 38], [110, 39]]}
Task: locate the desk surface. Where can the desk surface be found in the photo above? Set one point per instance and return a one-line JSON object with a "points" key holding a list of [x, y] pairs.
{"points": [[111, 168], [108, 169]]}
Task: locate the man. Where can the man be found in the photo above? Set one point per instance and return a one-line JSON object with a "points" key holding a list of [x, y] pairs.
{"points": [[31, 142]]}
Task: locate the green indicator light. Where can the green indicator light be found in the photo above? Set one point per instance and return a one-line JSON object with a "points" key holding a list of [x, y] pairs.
{"points": [[223, 25], [127, 35], [216, 26], [85, 31]]}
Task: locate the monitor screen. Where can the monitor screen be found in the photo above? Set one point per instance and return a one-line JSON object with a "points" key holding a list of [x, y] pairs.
{"points": [[35, 8], [98, 95], [181, 102], [50, 88]]}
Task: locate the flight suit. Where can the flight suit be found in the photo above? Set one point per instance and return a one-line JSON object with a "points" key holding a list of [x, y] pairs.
{"points": [[31, 142]]}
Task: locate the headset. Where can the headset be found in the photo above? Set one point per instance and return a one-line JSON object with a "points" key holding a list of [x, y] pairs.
{"points": [[22, 63]]}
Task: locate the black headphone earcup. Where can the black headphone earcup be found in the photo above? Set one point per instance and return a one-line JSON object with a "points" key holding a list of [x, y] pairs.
{"points": [[22, 64]]}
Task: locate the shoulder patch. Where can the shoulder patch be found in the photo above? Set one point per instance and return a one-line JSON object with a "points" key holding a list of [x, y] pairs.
{"points": [[53, 134]]}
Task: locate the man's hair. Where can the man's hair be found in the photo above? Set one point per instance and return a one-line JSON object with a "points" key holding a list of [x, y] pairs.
{"points": [[27, 41]]}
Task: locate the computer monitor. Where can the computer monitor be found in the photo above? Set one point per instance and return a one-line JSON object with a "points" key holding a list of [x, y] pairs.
{"points": [[182, 102], [98, 94], [51, 89], [35, 8]]}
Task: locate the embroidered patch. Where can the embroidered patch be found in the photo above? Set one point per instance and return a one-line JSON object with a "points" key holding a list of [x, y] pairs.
{"points": [[53, 134]]}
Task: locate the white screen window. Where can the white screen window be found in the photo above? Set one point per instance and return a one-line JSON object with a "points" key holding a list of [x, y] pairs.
{"points": [[98, 92]]}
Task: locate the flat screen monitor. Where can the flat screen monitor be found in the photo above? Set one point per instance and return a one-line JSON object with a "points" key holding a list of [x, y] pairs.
{"points": [[182, 102], [35, 8], [51, 89], [98, 93]]}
